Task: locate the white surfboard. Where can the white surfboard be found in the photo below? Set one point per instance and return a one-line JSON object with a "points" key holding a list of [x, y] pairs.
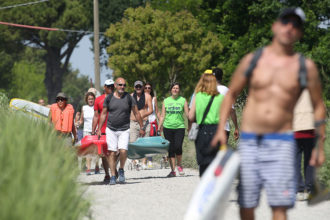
{"points": [[211, 196], [33, 109]]}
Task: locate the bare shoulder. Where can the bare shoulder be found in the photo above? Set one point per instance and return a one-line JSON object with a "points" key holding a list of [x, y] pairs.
{"points": [[247, 58], [311, 68], [244, 63], [148, 96]]}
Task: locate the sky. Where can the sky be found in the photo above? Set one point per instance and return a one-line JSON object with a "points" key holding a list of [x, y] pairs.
{"points": [[82, 59]]}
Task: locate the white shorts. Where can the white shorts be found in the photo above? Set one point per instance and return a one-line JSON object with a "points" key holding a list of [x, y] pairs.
{"points": [[117, 139]]}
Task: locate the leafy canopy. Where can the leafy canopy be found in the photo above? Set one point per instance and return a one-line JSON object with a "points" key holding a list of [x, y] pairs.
{"points": [[59, 45], [162, 48]]}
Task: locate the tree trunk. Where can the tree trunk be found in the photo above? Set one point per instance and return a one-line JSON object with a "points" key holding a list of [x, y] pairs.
{"points": [[54, 73]]}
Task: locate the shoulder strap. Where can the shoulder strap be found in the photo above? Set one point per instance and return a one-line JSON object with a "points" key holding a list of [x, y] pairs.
{"points": [[302, 72], [129, 100], [109, 97], [207, 109], [253, 62]]}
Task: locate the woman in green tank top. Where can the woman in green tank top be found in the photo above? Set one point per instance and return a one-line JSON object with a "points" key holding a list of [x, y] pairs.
{"points": [[205, 89], [172, 123]]}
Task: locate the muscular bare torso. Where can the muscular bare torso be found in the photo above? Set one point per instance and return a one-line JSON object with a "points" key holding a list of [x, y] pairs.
{"points": [[273, 93], [144, 110]]}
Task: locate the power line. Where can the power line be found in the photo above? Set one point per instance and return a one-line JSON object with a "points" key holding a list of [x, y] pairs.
{"points": [[45, 28], [23, 4], [29, 26]]}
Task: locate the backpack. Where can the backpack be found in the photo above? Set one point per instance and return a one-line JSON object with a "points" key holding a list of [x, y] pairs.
{"points": [[302, 76]]}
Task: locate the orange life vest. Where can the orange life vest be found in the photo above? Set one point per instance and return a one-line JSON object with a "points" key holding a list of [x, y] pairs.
{"points": [[62, 120]]}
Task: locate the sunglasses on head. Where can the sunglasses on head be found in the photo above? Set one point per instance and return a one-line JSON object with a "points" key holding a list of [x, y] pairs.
{"points": [[147, 87], [60, 99], [295, 23], [121, 84], [138, 86]]}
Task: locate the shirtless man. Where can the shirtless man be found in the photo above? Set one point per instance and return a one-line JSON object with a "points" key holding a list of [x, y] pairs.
{"points": [[267, 147], [144, 104]]}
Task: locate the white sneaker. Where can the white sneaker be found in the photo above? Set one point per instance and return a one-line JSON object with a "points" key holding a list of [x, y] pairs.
{"points": [[300, 196]]}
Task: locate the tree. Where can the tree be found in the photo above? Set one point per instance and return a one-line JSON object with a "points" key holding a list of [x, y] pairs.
{"points": [[59, 45], [75, 87], [244, 26], [174, 6], [9, 52], [162, 48], [28, 75], [110, 12]]}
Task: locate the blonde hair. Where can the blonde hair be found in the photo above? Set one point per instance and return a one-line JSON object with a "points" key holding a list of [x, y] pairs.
{"points": [[208, 84]]}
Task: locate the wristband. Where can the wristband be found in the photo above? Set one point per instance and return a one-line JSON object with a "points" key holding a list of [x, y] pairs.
{"points": [[318, 123], [145, 125]]}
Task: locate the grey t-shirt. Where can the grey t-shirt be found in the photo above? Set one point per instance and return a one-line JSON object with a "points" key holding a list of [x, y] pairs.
{"points": [[119, 111]]}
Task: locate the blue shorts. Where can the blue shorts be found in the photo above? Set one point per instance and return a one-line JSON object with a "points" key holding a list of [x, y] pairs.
{"points": [[267, 161]]}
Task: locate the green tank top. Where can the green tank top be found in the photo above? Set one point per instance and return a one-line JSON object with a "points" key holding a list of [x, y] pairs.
{"points": [[201, 101], [174, 109]]}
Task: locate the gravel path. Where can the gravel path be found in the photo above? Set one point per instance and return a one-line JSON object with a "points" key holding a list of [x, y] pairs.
{"points": [[148, 194]]}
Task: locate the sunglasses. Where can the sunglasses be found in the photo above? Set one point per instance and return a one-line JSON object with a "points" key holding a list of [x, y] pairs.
{"points": [[295, 23], [147, 87], [138, 87], [110, 86], [120, 84], [60, 99]]}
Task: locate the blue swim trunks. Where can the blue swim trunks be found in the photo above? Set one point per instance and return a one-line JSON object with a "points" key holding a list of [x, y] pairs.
{"points": [[267, 161]]}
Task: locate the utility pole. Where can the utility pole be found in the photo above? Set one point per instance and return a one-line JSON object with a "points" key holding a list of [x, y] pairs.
{"points": [[96, 46]]}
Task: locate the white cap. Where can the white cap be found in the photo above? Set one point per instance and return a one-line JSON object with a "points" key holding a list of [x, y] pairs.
{"points": [[109, 82]]}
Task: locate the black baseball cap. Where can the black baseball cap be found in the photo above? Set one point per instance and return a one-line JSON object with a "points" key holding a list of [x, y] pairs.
{"points": [[298, 12]]}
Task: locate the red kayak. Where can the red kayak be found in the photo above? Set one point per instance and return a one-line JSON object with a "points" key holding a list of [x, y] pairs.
{"points": [[91, 144]]}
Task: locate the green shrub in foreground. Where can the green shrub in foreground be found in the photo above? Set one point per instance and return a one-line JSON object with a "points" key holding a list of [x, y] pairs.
{"points": [[325, 169], [38, 174], [4, 101]]}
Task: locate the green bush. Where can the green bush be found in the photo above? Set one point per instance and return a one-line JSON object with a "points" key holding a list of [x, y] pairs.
{"points": [[3, 101], [38, 173]]}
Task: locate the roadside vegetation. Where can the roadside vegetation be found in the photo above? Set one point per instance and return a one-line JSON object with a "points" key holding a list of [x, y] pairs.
{"points": [[325, 169], [38, 173]]}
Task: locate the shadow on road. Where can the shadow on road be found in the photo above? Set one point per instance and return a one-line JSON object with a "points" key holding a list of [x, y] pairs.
{"points": [[157, 177], [97, 183]]}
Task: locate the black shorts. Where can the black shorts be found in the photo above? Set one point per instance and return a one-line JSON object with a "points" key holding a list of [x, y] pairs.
{"points": [[175, 137]]}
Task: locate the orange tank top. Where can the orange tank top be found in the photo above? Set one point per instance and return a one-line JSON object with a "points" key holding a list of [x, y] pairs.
{"points": [[62, 120]]}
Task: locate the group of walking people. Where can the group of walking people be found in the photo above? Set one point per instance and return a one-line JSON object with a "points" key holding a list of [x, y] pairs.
{"points": [[124, 117], [276, 76]]}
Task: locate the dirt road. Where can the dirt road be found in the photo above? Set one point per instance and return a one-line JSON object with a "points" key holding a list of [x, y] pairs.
{"points": [[148, 194]]}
